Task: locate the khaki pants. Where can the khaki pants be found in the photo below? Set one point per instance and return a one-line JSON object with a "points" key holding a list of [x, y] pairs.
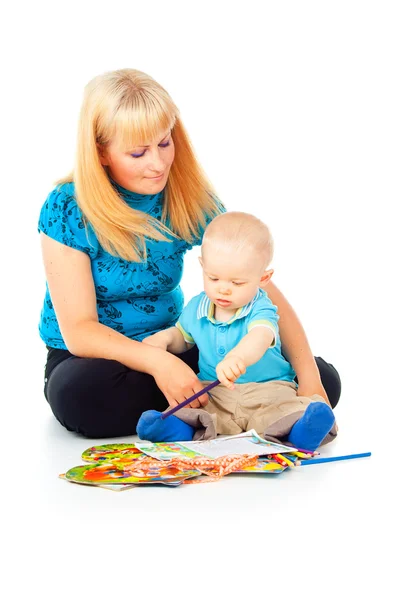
{"points": [[271, 408]]}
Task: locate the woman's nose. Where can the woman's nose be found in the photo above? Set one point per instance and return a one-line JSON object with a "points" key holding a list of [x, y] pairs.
{"points": [[155, 162]]}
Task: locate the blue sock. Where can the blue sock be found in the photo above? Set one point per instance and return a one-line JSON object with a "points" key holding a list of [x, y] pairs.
{"points": [[312, 427], [155, 429]]}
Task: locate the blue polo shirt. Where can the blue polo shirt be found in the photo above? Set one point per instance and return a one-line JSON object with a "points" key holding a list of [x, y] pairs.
{"points": [[136, 299], [216, 338]]}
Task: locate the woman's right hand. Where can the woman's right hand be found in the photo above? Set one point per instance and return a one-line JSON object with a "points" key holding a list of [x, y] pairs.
{"points": [[178, 381]]}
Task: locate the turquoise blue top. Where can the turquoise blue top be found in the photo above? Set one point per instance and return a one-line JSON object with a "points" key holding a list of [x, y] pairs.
{"points": [[216, 338], [136, 299]]}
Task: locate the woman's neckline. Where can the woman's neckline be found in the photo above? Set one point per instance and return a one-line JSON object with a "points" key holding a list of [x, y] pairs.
{"points": [[133, 197]]}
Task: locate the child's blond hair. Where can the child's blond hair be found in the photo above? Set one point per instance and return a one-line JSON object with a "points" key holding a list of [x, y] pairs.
{"points": [[131, 107], [239, 231]]}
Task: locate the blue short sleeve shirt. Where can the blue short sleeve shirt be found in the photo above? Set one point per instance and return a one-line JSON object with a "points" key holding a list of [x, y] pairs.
{"points": [[216, 338], [135, 299]]}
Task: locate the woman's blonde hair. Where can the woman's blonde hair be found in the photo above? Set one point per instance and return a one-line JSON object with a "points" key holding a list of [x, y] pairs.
{"points": [[131, 107]]}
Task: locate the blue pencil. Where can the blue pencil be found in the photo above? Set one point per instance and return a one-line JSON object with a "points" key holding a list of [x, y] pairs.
{"points": [[315, 461], [189, 400]]}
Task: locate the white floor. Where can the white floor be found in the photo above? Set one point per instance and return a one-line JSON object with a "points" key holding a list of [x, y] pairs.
{"points": [[316, 531]]}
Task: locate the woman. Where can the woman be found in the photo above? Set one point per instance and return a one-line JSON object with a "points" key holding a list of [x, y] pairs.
{"points": [[113, 238]]}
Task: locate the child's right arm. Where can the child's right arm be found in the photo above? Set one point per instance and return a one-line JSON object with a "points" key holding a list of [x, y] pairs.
{"points": [[170, 339]]}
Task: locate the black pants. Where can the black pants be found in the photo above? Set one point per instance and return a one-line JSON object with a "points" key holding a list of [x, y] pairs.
{"points": [[100, 398]]}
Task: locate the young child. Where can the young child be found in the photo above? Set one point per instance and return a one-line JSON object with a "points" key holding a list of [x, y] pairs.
{"points": [[235, 326]]}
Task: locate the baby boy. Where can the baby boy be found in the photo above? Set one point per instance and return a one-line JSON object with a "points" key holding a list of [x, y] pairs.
{"points": [[235, 326]]}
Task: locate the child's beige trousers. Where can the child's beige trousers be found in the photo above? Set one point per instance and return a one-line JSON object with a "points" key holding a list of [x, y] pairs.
{"points": [[271, 408]]}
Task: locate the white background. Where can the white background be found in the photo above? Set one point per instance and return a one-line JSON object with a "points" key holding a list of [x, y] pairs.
{"points": [[294, 112]]}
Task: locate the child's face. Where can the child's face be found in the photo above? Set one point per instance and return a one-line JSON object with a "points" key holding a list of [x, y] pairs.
{"points": [[143, 170], [231, 279]]}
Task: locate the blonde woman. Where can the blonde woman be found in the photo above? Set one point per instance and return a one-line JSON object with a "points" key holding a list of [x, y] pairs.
{"points": [[113, 238]]}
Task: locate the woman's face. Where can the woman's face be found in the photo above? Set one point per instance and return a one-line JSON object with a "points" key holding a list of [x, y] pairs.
{"points": [[143, 169]]}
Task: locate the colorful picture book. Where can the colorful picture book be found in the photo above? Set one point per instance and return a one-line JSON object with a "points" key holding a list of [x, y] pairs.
{"points": [[123, 466], [248, 442]]}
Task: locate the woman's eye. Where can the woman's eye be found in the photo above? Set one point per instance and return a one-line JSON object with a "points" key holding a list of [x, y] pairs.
{"points": [[160, 145]]}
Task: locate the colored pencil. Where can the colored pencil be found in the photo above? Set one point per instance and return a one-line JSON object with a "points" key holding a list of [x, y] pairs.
{"points": [[189, 400], [286, 460], [301, 454], [307, 451], [315, 461], [279, 460]]}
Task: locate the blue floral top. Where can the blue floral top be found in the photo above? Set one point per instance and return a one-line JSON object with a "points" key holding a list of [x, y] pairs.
{"points": [[136, 299]]}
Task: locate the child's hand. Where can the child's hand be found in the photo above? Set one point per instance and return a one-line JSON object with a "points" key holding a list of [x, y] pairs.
{"points": [[229, 369], [158, 340]]}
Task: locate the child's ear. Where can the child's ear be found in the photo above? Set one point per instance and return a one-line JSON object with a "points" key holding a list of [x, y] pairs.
{"points": [[200, 261], [267, 275]]}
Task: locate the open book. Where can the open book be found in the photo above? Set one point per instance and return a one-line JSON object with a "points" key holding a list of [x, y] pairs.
{"points": [[248, 442]]}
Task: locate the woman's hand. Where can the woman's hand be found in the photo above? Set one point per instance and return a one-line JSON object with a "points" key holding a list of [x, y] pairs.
{"points": [[229, 369], [177, 381], [158, 340]]}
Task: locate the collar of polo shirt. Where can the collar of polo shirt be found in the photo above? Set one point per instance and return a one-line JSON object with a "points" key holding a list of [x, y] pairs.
{"points": [[206, 309]]}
